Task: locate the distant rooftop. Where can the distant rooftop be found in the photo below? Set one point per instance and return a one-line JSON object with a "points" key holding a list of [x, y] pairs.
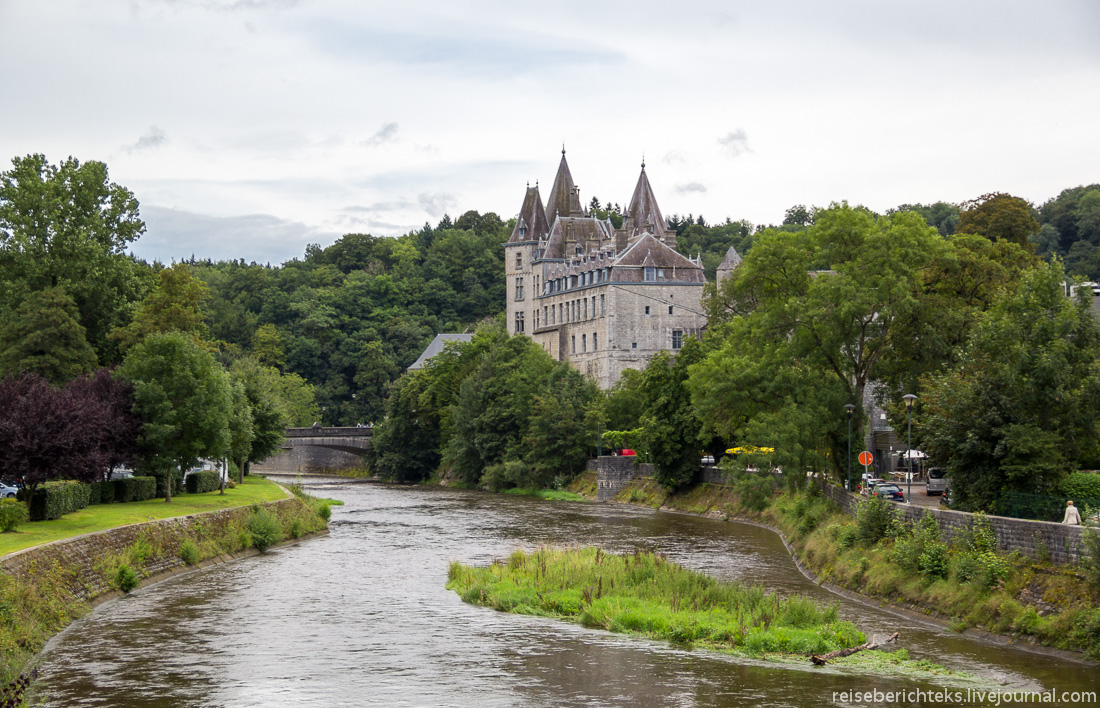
{"points": [[436, 347]]}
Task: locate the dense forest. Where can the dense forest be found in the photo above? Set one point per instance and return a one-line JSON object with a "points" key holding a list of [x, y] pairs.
{"points": [[916, 296]]}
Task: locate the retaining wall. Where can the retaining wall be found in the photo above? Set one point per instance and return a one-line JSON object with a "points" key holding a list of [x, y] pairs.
{"points": [[613, 473], [1063, 543]]}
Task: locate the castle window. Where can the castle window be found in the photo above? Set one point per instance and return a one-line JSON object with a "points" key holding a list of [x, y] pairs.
{"points": [[545, 315], [522, 231], [670, 309], [536, 318], [633, 345], [595, 346], [519, 257], [650, 273], [573, 343], [647, 310], [593, 306], [584, 343], [519, 323], [603, 308], [660, 272], [561, 313], [519, 288], [677, 339], [586, 308]]}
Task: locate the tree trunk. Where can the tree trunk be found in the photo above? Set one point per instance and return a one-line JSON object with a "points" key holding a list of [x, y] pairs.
{"points": [[825, 658], [168, 487]]}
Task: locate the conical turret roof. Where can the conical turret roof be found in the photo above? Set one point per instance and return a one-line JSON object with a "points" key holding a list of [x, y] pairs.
{"points": [[564, 199], [531, 224], [643, 212]]}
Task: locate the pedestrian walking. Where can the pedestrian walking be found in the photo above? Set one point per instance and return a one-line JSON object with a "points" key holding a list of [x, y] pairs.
{"points": [[1073, 517]]}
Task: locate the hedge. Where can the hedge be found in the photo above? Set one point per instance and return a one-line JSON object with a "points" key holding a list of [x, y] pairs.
{"points": [[101, 493], [203, 481], [134, 488], [161, 477], [52, 500]]}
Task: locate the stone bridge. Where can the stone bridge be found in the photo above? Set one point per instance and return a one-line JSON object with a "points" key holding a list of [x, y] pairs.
{"points": [[353, 440]]}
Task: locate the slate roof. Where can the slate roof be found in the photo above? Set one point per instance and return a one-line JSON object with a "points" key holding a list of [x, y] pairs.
{"points": [[564, 200], [531, 224], [587, 232], [643, 214], [731, 261], [437, 346]]}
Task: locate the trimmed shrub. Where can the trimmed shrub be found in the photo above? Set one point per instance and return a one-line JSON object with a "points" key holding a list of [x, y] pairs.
{"points": [[264, 528], [53, 500], [101, 493], [134, 489], [12, 513], [203, 481], [161, 477], [1081, 486]]}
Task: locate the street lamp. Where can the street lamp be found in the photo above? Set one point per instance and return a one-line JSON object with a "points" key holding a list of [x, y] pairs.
{"points": [[909, 399], [849, 409]]}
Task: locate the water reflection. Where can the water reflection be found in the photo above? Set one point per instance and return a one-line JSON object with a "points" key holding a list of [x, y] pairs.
{"points": [[361, 618]]}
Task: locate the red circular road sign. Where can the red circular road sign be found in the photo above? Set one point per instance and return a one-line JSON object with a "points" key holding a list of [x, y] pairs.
{"points": [[865, 458]]}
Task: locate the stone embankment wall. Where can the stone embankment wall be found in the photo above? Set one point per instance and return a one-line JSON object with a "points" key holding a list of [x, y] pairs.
{"points": [[86, 562], [1063, 543], [613, 473]]}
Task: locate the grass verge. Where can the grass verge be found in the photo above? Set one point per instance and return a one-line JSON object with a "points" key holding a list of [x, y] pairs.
{"points": [[549, 494], [101, 517], [645, 594]]}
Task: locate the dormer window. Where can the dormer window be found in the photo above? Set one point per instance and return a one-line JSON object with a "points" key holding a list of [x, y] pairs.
{"points": [[522, 231], [649, 274]]}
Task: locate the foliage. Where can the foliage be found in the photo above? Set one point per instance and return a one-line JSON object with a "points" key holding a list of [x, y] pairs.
{"points": [[643, 593], [998, 217], [184, 398], [67, 226], [201, 481], [117, 430], [43, 336], [13, 513], [875, 519], [189, 552], [1019, 409], [1090, 559], [506, 475], [754, 491], [101, 493], [134, 489], [175, 305], [265, 529], [324, 511], [55, 499], [671, 430], [1081, 485], [942, 216], [126, 579]]}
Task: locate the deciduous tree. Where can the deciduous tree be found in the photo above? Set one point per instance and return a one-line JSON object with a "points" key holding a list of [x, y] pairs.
{"points": [[45, 337]]}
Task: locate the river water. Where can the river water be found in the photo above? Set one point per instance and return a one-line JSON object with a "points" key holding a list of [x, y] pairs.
{"points": [[361, 618]]}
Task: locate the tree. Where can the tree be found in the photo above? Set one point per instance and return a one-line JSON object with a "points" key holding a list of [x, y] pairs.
{"points": [[267, 346], [944, 216], [670, 428], [1020, 408], [268, 413], [1062, 213], [998, 216], [175, 305], [184, 400], [242, 432], [68, 226], [48, 433], [117, 432], [799, 215], [44, 337]]}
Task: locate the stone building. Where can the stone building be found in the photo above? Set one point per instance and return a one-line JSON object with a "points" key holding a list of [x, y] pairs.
{"points": [[603, 298]]}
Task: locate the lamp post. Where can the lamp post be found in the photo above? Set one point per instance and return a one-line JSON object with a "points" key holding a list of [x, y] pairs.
{"points": [[849, 409], [909, 399]]}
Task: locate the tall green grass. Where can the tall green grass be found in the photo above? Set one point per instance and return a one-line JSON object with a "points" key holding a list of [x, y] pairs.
{"points": [[643, 593]]}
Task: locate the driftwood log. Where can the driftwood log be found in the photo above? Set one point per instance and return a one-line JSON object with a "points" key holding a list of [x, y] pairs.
{"points": [[826, 658]]}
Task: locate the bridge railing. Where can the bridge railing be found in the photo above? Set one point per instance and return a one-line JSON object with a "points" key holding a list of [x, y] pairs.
{"points": [[322, 432]]}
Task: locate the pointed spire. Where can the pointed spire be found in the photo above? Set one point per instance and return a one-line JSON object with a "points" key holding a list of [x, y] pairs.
{"points": [[563, 199], [531, 224], [643, 210]]}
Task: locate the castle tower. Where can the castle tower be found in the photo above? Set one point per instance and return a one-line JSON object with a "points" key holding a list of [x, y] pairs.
{"points": [[564, 199], [519, 252], [643, 215], [728, 264]]}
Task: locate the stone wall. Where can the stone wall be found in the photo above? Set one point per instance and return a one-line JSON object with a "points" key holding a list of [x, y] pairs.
{"points": [[85, 561], [1063, 543], [614, 472]]}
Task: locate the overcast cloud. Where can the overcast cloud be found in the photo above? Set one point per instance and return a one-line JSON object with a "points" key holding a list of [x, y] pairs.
{"points": [[248, 129]]}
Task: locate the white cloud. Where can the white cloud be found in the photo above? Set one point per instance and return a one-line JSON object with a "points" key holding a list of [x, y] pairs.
{"points": [[735, 143], [153, 139]]}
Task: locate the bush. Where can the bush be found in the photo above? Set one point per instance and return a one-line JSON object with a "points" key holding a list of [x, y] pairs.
{"points": [[126, 579], [1090, 559], [189, 552], [101, 493], [935, 562], [875, 519], [53, 500], [324, 511], [203, 481], [966, 567], [992, 569], [753, 491], [1081, 486], [12, 513], [264, 528], [506, 475], [134, 489]]}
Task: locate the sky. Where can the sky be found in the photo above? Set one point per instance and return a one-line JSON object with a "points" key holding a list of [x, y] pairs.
{"points": [[251, 128]]}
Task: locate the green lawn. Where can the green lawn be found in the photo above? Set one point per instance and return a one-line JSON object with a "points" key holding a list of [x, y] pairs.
{"points": [[108, 516]]}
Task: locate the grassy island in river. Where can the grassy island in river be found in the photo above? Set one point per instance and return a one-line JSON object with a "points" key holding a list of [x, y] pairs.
{"points": [[643, 593]]}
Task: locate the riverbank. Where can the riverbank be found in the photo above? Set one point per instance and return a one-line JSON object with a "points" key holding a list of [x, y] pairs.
{"points": [[1008, 599], [44, 588]]}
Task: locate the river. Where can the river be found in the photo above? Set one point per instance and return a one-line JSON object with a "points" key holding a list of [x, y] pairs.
{"points": [[361, 618]]}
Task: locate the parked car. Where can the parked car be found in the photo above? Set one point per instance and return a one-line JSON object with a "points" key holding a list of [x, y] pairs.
{"points": [[938, 483], [869, 485], [890, 492], [8, 491]]}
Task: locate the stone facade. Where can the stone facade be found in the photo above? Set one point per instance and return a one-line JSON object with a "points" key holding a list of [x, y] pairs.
{"points": [[1063, 543], [306, 459], [614, 472], [605, 299]]}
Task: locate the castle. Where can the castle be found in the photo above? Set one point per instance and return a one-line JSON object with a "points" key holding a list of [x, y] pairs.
{"points": [[603, 298]]}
